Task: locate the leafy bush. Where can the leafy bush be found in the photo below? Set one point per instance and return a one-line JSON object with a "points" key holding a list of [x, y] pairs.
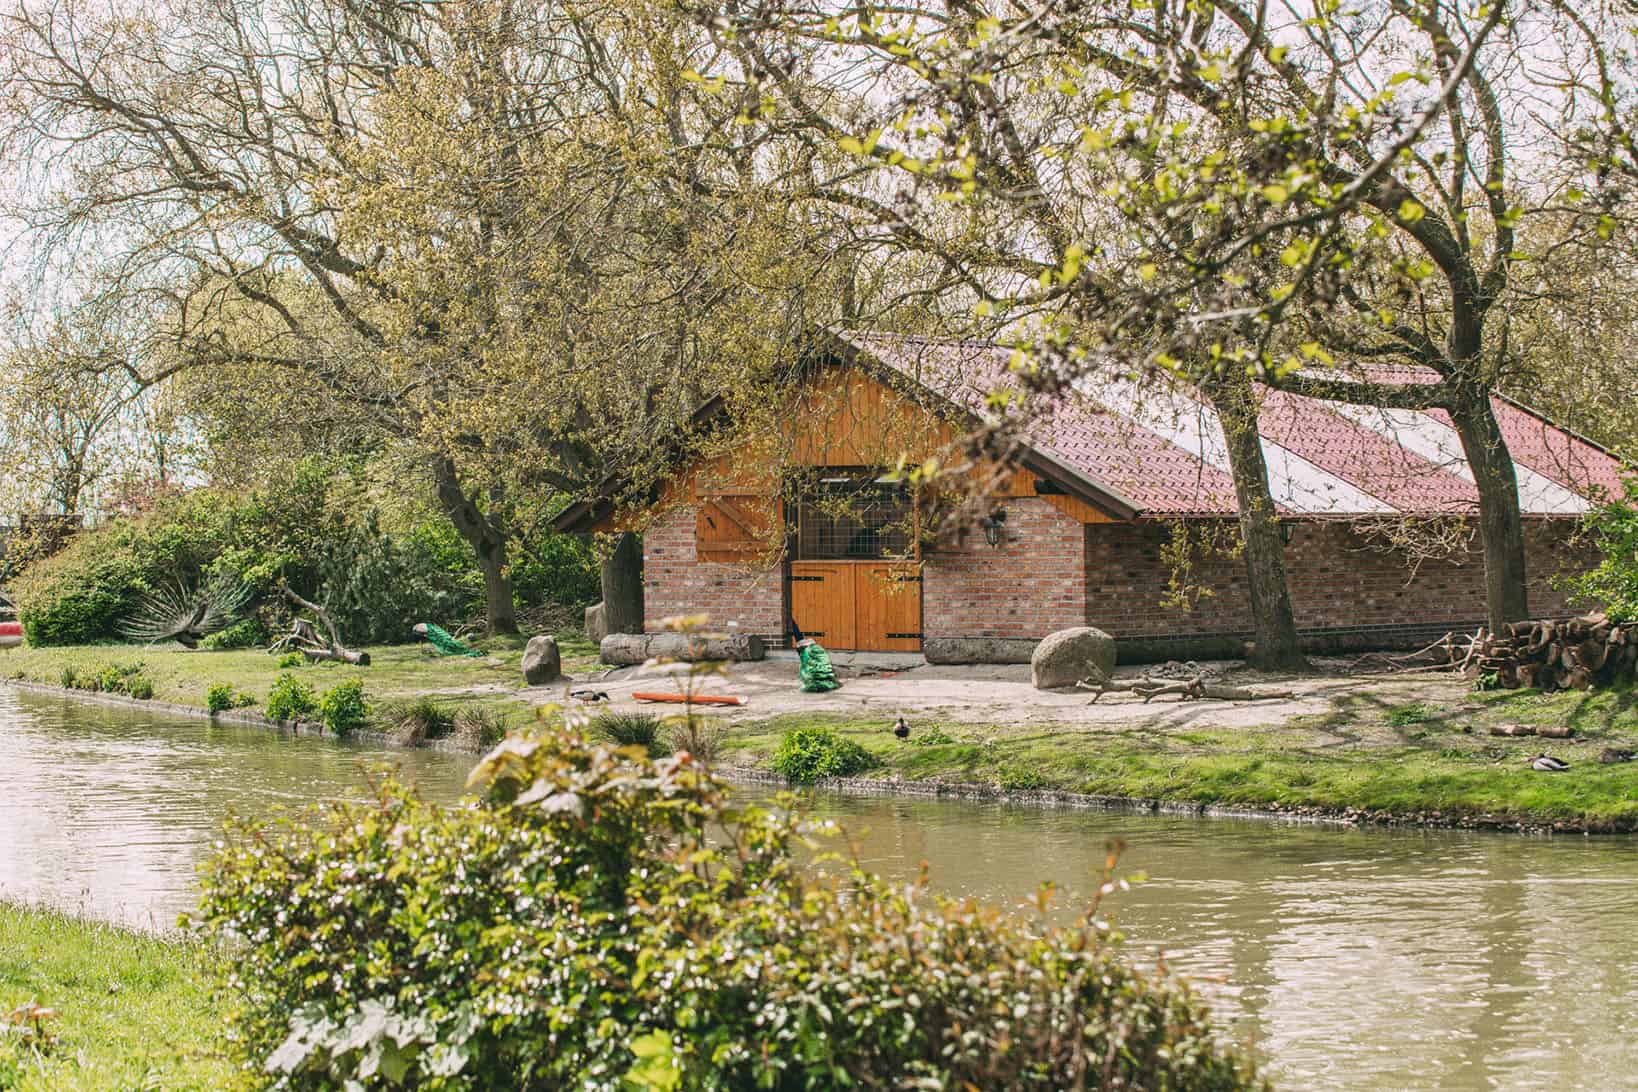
{"points": [[931, 737], [69, 678], [1613, 584], [554, 568], [343, 709], [290, 699], [78, 595], [627, 729], [110, 680], [220, 697], [245, 633], [140, 687], [315, 526], [292, 659], [415, 721], [576, 928], [808, 754]]}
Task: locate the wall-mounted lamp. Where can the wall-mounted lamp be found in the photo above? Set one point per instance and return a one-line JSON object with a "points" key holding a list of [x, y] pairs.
{"points": [[1288, 531], [995, 527]]}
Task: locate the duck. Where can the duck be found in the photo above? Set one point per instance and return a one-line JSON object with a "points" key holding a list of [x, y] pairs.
{"points": [[1611, 755], [1548, 764], [901, 727]]}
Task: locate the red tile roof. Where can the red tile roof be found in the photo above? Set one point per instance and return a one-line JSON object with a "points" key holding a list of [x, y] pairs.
{"points": [[1330, 462]]}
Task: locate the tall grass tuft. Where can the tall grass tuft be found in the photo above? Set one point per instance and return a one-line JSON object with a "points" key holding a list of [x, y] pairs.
{"points": [[626, 729], [415, 721]]}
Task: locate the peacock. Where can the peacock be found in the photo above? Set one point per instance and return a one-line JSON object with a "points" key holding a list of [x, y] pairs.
{"points": [[186, 614]]}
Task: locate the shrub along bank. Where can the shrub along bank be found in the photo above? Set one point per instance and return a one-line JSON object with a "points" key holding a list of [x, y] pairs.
{"points": [[316, 528], [576, 929]]}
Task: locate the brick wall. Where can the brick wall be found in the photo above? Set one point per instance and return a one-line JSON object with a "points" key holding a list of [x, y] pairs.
{"points": [[1053, 573], [1346, 593], [676, 582], [1024, 588]]}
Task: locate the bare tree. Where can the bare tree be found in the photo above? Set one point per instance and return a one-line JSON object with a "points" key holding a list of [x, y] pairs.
{"points": [[489, 234]]}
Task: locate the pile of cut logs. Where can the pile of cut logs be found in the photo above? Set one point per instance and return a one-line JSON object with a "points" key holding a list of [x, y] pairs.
{"points": [[1577, 653]]}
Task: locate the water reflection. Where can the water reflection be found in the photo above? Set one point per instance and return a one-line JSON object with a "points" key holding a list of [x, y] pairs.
{"points": [[1355, 959]]}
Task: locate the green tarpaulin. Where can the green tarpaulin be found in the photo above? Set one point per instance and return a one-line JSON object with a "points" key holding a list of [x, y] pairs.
{"points": [[816, 673]]}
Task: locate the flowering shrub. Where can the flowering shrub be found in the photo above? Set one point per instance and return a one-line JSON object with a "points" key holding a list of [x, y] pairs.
{"points": [[575, 929]]}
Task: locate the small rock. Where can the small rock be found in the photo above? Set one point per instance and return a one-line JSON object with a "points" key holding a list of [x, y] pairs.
{"points": [[1512, 729], [542, 662]]}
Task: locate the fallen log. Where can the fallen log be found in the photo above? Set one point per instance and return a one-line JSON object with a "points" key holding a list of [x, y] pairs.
{"points": [[1194, 688], [625, 649], [304, 637]]}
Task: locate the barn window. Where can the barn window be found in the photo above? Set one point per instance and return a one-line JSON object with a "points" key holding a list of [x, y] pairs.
{"points": [[853, 516]]}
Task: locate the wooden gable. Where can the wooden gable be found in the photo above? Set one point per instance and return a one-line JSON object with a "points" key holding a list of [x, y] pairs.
{"points": [[842, 416]]}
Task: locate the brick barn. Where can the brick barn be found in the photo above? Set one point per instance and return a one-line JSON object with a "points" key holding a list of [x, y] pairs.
{"points": [[1084, 527]]}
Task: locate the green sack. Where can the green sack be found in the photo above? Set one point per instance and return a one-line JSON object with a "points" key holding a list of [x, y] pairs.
{"points": [[816, 673]]}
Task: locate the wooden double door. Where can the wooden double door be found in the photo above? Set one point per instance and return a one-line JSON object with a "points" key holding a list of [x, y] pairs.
{"points": [[867, 606]]}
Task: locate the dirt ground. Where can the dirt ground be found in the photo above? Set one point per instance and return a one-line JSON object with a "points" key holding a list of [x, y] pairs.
{"points": [[887, 685]]}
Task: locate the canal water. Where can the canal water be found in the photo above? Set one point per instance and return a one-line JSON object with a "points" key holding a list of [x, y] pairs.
{"points": [[1350, 959]]}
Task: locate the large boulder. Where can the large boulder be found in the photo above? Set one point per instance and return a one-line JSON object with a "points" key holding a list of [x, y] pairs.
{"points": [[597, 626], [1070, 655], [623, 649], [978, 650], [542, 662]]}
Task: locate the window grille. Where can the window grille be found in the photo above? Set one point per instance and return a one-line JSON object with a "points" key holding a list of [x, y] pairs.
{"points": [[853, 519]]}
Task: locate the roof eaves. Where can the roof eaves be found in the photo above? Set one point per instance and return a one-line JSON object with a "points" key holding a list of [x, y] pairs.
{"points": [[1035, 459]]}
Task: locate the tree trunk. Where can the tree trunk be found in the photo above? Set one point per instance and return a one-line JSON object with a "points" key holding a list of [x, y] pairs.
{"points": [[488, 542], [1500, 522], [1234, 399], [622, 573]]}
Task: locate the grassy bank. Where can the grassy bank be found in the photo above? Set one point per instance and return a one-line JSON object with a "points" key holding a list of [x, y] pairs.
{"points": [[1423, 762], [133, 1011], [396, 671]]}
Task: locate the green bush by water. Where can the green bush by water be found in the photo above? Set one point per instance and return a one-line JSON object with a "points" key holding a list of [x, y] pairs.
{"points": [[290, 699], [808, 754], [576, 928], [343, 709], [220, 697]]}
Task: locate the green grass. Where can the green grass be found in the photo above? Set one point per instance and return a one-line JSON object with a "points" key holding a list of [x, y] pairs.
{"points": [[134, 1011], [395, 672], [1369, 755]]}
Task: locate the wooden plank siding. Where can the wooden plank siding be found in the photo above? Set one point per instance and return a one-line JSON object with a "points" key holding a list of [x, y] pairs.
{"points": [[843, 418]]}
